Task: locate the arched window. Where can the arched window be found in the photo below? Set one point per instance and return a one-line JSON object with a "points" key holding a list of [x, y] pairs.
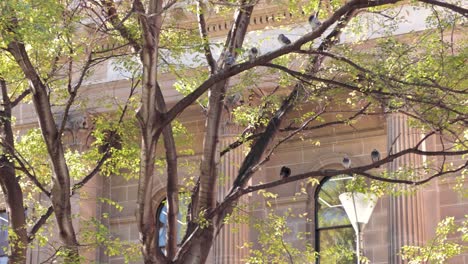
{"points": [[334, 234], [162, 224]]}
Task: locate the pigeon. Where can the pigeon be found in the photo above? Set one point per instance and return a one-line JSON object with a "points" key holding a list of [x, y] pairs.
{"points": [[111, 139], [360, 78], [375, 156], [285, 172], [253, 53], [233, 99], [346, 162], [284, 40], [314, 22], [229, 59]]}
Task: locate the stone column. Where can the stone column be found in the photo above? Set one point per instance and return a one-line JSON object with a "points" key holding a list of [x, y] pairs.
{"points": [[406, 211], [228, 244]]}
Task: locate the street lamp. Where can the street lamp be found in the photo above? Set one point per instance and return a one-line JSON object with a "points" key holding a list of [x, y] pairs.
{"points": [[358, 206]]}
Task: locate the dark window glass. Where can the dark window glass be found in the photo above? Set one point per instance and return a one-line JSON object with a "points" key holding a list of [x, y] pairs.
{"points": [[335, 236]]}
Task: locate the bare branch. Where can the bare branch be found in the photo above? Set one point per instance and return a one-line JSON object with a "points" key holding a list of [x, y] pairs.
{"points": [[357, 170], [292, 134], [31, 176], [117, 23], [238, 68], [20, 97], [107, 154], [462, 11], [243, 140], [73, 92], [407, 96], [361, 170], [432, 84], [204, 36], [39, 223]]}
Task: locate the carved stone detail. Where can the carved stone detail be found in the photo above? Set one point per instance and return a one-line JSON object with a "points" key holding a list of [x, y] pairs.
{"points": [[75, 123]]}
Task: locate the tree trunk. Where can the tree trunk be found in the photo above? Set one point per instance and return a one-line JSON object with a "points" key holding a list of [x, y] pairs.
{"points": [[149, 118], [198, 247], [209, 165], [10, 185], [60, 193]]}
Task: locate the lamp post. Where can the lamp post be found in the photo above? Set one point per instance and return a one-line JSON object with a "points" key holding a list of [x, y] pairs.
{"points": [[358, 207]]}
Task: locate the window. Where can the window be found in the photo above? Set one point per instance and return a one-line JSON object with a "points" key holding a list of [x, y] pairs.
{"points": [[3, 237], [162, 221], [334, 234]]}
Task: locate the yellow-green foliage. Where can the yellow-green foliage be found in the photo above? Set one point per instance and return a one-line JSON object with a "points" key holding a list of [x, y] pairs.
{"points": [[447, 243]]}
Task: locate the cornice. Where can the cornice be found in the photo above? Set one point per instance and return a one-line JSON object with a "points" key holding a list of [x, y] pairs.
{"points": [[265, 15]]}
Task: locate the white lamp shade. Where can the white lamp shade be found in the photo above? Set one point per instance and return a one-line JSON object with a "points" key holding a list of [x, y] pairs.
{"points": [[358, 207]]}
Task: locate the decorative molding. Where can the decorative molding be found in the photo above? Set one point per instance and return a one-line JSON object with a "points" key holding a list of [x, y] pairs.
{"points": [[268, 17], [74, 123]]}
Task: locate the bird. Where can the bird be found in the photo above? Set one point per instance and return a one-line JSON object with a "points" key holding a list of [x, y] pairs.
{"points": [[3, 160], [253, 53], [285, 172], [375, 156], [346, 162], [360, 78], [111, 140], [234, 99], [284, 40], [314, 22], [229, 59]]}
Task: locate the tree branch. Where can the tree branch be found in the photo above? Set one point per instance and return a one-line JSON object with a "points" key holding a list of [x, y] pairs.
{"points": [[238, 68], [204, 36], [37, 226], [361, 170], [73, 92], [455, 8], [20, 97], [117, 23], [407, 96]]}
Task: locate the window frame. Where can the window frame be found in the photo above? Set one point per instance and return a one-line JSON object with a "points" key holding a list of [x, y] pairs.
{"points": [[318, 229], [160, 224]]}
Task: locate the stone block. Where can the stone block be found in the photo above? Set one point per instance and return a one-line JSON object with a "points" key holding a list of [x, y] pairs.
{"points": [[119, 194], [380, 254], [372, 238], [128, 210], [352, 147], [117, 180], [132, 193], [458, 211], [451, 197], [121, 231]]}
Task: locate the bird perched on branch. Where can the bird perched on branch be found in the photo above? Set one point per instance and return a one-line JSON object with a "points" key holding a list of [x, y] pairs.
{"points": [[285, 172], [253, 53], [284, 40], [314, 22], [375, 156], [346, 162], [233, 100], [229, 59], [111, 140], [4, 160]]}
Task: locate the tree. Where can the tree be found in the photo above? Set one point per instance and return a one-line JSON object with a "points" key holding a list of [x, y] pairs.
{"points": [[423, 82]]}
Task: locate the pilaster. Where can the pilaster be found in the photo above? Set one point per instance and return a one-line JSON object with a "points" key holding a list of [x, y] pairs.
{"points": [[228, 247], [406, 211]]}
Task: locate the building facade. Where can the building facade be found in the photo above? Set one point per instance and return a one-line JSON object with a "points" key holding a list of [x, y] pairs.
{"points": [[314, 214]]}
